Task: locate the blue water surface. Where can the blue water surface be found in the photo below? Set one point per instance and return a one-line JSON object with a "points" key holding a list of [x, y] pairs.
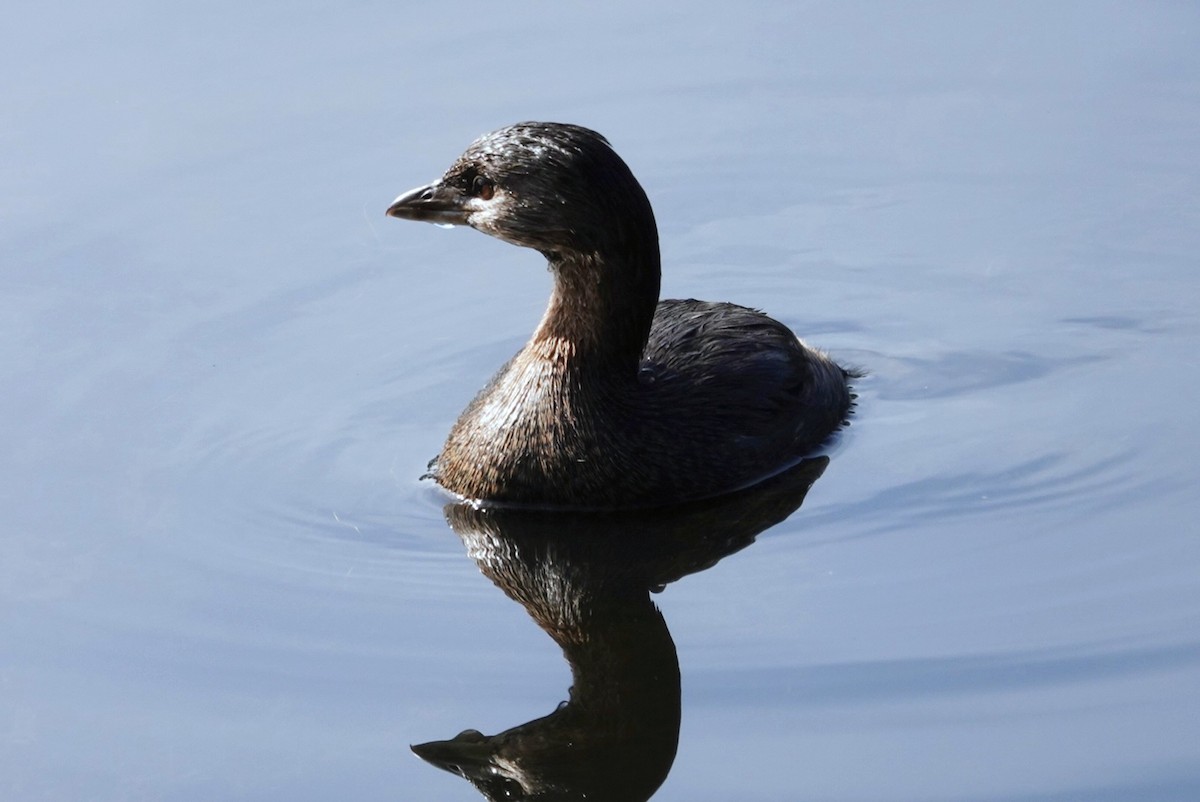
{"points": [[224, 370]]}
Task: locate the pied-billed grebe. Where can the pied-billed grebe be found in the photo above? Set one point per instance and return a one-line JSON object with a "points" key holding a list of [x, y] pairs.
{"points": [[618, 400]]}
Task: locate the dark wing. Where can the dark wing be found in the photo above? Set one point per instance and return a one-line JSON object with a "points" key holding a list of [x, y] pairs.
{"points": [[749, 369]]}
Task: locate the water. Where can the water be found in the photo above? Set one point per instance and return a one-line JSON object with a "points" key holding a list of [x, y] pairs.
{"points": [[224, 370]]}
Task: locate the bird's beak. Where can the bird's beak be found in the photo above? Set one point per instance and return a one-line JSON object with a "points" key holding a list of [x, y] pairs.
{"points": [[467, 760], [433, 203]]}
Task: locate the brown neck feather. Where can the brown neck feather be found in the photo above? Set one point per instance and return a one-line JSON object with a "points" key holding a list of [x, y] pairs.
{"points": [[600, 311]]}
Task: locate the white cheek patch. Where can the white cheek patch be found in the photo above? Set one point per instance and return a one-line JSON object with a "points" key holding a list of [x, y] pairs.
{"points": [[488, 216], [483, 214]]}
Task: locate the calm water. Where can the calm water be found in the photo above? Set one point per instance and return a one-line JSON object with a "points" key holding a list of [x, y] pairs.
{"points": [[224, 370]]}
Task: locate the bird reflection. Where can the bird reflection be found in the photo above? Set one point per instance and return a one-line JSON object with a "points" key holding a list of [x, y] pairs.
{"points": [[586, 579]]}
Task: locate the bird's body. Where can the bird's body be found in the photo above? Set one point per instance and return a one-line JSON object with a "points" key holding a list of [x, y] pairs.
{"points": [[617, 400]]}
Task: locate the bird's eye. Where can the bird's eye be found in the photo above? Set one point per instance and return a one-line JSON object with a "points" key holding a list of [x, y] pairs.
{"points": [[481, 187]]}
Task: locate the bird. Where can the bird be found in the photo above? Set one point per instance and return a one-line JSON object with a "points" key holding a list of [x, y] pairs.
{"points": [[618, 400]]}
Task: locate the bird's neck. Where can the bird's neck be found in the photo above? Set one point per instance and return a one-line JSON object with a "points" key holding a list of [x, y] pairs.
{"points": [[600, 311]]}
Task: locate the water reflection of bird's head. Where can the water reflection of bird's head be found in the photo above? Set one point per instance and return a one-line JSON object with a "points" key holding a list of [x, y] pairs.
{"points": [[585, 579]]}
